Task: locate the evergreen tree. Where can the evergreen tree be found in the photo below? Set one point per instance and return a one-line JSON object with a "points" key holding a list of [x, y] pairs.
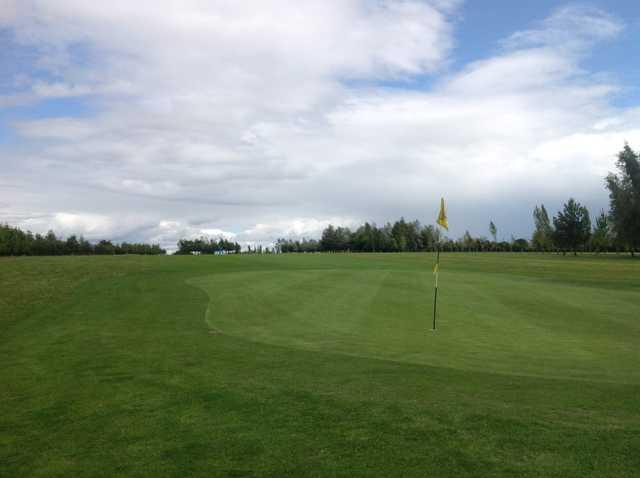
{"points": [[572, 226], [329, 240], [72, 246]]}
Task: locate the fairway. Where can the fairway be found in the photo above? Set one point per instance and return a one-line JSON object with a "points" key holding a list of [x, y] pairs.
{"points": [[320, 365]]}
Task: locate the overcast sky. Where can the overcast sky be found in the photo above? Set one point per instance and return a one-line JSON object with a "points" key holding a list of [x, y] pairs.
{"points": [[154, 120]]}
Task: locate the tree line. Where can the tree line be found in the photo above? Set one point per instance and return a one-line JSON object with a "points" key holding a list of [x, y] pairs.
{"points": [[400, 236], [15, 242], [570, 230]]}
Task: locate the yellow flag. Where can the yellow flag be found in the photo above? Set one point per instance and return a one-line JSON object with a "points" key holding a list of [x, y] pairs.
{"points": [[442, 217], [436, 269]]}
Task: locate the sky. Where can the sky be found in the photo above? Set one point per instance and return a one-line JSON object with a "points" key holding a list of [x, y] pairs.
{"points": [[158, 120]]}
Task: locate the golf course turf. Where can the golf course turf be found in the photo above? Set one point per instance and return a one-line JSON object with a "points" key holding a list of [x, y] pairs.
{"points": [[320, 365]]}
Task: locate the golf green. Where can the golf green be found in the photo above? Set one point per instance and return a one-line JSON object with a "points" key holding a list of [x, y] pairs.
{"points": [[320, 365]]}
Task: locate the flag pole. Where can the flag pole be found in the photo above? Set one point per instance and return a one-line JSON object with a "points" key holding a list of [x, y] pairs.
{"points": [[442, 221], [435, 296]]}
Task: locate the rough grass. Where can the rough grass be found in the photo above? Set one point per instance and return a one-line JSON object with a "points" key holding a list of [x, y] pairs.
{"points": [[320, 365]]}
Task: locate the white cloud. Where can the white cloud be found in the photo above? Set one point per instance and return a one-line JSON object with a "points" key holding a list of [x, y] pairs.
{"points": [[69, 129], [214, 232], [297, 228], [89, 225], [59, 90], [570, 27], [236, 119], [8, 13]]}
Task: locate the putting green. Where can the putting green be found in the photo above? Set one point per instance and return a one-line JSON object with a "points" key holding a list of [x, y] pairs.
{"points": [[492, 322]]}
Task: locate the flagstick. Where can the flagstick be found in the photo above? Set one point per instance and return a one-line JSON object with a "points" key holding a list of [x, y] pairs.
{"points": [[442, 221], [435, 297]]}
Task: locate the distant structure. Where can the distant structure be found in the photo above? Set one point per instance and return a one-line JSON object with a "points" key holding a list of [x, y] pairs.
{"points": [[221, 252]]}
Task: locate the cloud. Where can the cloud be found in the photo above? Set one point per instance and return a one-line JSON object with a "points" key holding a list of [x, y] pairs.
{"points": [[59, 90], [69, 129], [90, 226], [571, 27], [243, 120], [297, 228], [8, 13]]}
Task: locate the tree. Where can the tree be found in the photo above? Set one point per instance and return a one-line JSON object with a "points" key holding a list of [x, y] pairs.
{"points": [[385, 239], [72, 246], [399, 233], [414, 239], [104, 247], [493, 230], [467, 241], [572, 226], [601, 238], [329, 239], [429, 237], [519, 245], [52, 244], [542, 239], [85, 246], [343, 238], [624, 196]]}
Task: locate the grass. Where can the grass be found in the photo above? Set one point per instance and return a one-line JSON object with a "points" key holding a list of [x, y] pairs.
{"points": [[320, 365]]}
